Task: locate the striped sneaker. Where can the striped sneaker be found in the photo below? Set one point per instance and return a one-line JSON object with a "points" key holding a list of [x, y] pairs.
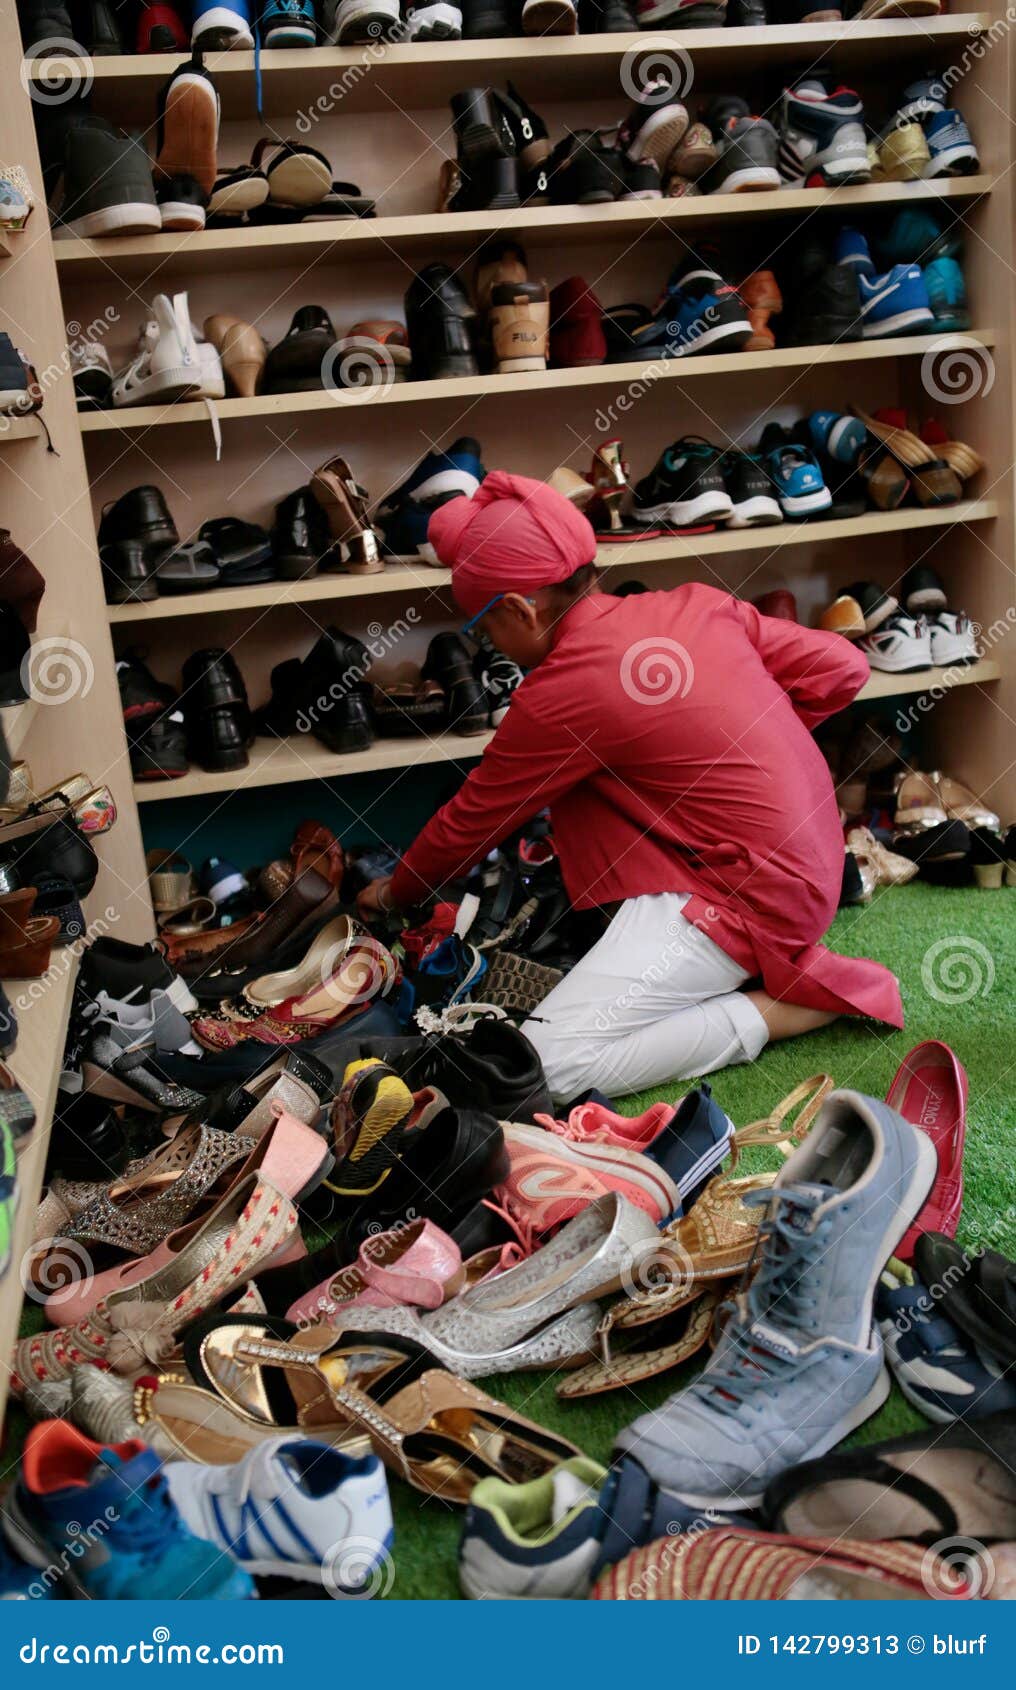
{"points": [[368, 1118]]}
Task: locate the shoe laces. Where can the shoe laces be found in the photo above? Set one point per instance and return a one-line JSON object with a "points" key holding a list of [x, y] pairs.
{"points": [[528, 1239], [575, 1127], [779, 1303], [147, 1520]]}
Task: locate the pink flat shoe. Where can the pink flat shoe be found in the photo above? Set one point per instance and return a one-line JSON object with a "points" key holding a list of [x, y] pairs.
{"points": [[291, 1156], [414, 1266], [930, 1089], [593, 1123]]}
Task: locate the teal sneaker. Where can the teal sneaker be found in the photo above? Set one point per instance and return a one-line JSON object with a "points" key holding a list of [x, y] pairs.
{"points": [[916, 236], [947, 294], [100, 1522]]}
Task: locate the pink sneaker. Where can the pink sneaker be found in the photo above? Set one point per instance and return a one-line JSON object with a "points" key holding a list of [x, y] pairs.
{"points": [[553, 1178], [592, 1123]]}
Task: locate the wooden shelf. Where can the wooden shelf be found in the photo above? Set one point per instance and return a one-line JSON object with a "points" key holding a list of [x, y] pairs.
{"points": [[278, 762], [19, 428], [17, 720], [417, 75], [42, 1008], [930, 680], [138, 257], [189, 413], [407, 577]]}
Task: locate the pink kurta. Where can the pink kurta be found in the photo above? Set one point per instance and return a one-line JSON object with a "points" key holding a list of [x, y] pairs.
{"points": [[669, 734]]}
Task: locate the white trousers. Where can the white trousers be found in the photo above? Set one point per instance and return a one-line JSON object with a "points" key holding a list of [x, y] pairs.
{"points": [[654, 1000]]}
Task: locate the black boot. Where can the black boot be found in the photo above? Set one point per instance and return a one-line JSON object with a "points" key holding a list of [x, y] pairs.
{"points": [[442, 325], [300, 536], [448, 663], [216, 712]]}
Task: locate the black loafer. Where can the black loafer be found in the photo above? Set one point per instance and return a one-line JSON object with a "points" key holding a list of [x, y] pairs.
{"points": [[242, 550], [449, 664], [295, 364], [441, 323], [300, 536]]}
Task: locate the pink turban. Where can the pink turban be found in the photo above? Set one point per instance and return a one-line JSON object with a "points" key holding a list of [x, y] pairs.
{"points": [[512, 536]]}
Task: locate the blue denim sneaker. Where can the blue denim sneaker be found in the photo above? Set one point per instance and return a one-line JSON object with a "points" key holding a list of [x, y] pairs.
{"points": [[851, 249], [934, 1364], [700, 312], [797, 1365], [950, 144], [947, 294], [894, 304], [287, 23], [797, 478], [694, 1143], [839, 437], [101, 1523], [404, 530]]}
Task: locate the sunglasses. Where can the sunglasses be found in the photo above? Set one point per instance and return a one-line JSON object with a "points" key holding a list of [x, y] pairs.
{"points": [[467, 627]]}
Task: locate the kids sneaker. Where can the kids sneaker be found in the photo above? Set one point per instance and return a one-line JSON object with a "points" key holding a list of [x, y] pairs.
{"points": [[894, 304], [167, 364], [136, 1547], [794, 472], [936, 1367], [686, 488], [947, 294], [797, 1365], [295, 1509], [536, 1539], [654, 127], [700, 312], [950, 147], [287, 23], [747, 149], [900, 645], [822, 139]]}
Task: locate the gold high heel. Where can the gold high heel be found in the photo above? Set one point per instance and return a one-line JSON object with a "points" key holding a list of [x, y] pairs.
{"points": [[609, 478]]}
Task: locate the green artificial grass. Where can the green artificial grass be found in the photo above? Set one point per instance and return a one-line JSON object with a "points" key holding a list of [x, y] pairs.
{"points": [[955, 956], [902, 928]]}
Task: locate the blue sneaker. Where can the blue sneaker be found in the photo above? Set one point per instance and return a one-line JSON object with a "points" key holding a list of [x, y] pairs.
{"points": [[700, 312], [851, 248], [693, 1143], [947, 294], [840, 438], [450, 973], [794, 472], [217, 28], [894, 304], [949, 142], [101, 1522], [935, 1366], [405, 514], [287, 23], [404, 531], [797, 1365]]}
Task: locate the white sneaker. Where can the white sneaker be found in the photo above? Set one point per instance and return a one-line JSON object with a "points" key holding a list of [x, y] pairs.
{"points": [[952, 638], [898, 645], [438, 22], [294, 1508], [365, 21], [167, 364], [92, 373]]}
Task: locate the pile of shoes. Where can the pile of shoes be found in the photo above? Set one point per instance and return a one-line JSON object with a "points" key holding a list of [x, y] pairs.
{"points": [[900, 639]]}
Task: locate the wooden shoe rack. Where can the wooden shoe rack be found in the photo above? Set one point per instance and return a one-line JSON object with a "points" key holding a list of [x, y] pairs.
{"points": [[381, 116]]}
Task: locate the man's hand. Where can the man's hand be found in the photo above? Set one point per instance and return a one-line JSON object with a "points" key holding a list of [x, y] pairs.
{"points": [[375, 899]]}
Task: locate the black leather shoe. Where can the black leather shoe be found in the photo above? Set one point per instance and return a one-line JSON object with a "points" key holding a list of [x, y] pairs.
{"points": [[216, 712], [490, 1066], [300, 537], [243, 551], [127, 575], [482, 129], [142, 515], [87, 1140], [14, 648], [607, 17], [488, 20], [57, 849], [324, 694], [294, 365], [104, 33], [448, 662], [119, 968], [441, 324], [154, 722]]}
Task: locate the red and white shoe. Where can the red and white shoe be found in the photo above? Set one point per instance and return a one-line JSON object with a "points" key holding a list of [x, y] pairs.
{"points": [[592, 1123], [553, 1178]]}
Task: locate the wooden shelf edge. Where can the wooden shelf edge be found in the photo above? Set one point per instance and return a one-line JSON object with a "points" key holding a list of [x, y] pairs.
{"points": [[853, 33], [221, 247], [188, 412], [406, 578], [42, 1008], [282, 762], [18, 428]]}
